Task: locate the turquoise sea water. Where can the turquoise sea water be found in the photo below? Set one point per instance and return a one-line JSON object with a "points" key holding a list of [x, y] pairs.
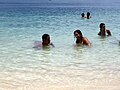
{"points": [[21, 64]]}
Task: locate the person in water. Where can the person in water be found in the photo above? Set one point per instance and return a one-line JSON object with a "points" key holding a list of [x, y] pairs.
{"points": [[45, 41], [88, 15], [80, 40], [83, 15], [103, 31]]}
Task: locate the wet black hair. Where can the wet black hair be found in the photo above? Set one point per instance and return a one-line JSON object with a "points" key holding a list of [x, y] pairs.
{"points": [[82, 14], [44, 37], [101, 25], [88, 15], [79, 32]]}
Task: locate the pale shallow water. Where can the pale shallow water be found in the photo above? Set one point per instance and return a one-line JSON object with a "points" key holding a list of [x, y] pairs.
{"points": [[21, 64]]}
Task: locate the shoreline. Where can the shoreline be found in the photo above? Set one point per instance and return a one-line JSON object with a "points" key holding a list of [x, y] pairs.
{"points": [[73, 87], [38, 85]]}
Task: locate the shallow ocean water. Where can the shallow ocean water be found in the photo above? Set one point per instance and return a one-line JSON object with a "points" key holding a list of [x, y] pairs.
{"points": [[21, 64]]}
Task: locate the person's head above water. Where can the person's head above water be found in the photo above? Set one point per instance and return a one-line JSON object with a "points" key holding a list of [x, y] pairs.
{"points": [[103, 31], [45, 39], [78, 34], [102, 25], [45, 42], [88, 15], [80, 39], [83, 15]]}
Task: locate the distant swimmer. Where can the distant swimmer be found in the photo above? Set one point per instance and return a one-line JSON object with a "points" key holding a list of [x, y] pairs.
{"points": [[45, 41], [80, 40], [88, 15], [82, 15], [103, 31]]}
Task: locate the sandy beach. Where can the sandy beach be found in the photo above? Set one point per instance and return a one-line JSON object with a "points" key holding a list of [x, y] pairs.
{"points": [[37, 85], [77, 87]]}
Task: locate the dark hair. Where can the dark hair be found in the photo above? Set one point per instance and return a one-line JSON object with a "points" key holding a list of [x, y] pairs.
{"points": [[88, 15], [44, 37], [82, 14], [79, 32], [101, 25]]}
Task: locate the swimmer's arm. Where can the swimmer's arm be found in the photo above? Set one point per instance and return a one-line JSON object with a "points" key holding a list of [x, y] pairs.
{"points": [[99, 33], [52, 44], [87, 41], [109, 33]]}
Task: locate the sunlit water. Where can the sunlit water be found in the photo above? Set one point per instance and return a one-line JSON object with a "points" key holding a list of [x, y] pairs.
{"points": [[21, 64]]}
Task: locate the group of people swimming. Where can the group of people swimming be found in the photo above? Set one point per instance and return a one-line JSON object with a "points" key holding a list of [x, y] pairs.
{"points": [[80, 39], [87, 15]]}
